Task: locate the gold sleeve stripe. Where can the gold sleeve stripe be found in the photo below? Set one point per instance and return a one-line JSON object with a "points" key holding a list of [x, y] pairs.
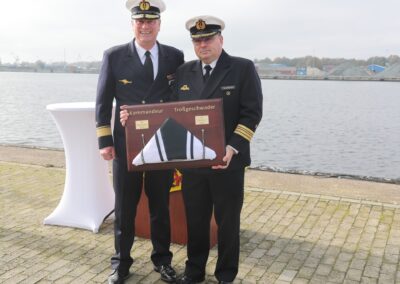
{"points": [[243, 135], [244, 131], [103, 131]]}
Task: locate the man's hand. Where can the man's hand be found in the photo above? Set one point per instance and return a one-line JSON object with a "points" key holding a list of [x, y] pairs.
{"points": [[123, 114], [227, 159], [108, 153]]}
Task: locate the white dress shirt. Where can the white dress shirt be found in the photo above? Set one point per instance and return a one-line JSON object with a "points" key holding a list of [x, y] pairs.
{"points": [[212, 65], [154, 56]]}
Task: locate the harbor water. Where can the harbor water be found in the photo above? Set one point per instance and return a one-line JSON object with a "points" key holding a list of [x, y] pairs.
{"points": [[344, 128]]}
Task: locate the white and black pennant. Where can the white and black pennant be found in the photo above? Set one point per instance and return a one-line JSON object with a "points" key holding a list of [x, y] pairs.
{"points": [[173, 142]]}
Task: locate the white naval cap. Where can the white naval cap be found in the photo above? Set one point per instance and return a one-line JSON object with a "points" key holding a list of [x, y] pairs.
{"points": [[145, 9], [204, 26]]}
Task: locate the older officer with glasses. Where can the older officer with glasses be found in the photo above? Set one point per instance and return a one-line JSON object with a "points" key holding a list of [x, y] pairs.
{"points": [[216, 74]]}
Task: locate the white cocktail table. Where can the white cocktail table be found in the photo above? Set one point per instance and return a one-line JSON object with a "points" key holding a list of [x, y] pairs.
{"points": [[88, 196]]}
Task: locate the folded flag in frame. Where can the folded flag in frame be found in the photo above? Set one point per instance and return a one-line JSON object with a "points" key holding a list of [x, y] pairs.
{"points": [[175, 149], [173, 142]]}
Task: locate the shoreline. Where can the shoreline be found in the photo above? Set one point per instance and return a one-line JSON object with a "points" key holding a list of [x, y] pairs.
{"points": [[259, 180], [330, 78], [330, 175], [59, 164], [262, 76]]}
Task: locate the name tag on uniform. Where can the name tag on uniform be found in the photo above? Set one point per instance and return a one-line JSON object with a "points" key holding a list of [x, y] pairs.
{"points": [[228, 88]]}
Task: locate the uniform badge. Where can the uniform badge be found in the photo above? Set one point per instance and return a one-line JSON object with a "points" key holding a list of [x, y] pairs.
{"points": [[225, 88], [125, 82], [200, 25], [144, 5], [228, 89], [185, 88]]}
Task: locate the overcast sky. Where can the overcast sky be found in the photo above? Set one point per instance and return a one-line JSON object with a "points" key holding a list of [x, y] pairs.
{"points": [[52, 30]]}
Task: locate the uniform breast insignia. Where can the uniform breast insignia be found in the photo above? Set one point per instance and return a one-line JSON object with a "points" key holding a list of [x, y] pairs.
{"points": [[185, 88], [125, 82], [228, 89]]}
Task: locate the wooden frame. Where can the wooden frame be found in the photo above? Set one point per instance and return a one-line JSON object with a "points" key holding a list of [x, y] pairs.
{"points": [[199, 116]]}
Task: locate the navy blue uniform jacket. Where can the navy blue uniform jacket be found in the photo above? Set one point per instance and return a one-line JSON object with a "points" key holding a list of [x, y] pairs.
{"points": [[122, 78], [236, 81]]}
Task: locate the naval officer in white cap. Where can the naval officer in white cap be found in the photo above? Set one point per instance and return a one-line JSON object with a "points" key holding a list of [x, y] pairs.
{"points": [[139, 72], [219, 189]]}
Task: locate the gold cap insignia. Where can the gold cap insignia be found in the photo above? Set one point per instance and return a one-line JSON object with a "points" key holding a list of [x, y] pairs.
{"points": [[144, 5], [124, 81], [200, 25], [185, 88]]}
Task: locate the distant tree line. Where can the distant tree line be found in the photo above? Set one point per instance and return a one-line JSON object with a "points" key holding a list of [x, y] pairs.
{"points": [[320, 62], [94, 66], [57, 67]]}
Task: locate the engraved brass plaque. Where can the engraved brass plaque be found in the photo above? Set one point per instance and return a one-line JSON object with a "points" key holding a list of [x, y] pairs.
{"points": [[142, 124]]}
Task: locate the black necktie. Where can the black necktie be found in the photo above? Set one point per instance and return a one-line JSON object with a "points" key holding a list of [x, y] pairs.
{"points": [[148, 66], [207, 75]]}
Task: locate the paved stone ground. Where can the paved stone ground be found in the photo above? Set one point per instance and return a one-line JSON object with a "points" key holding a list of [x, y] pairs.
{"points": [[286, 237]]}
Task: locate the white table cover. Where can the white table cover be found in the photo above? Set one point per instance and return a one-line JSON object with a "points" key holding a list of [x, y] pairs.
{"points": [[88, 196]]}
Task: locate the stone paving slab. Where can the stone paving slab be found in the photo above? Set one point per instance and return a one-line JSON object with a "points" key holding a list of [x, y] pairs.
{"points": [[286, 237]]}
